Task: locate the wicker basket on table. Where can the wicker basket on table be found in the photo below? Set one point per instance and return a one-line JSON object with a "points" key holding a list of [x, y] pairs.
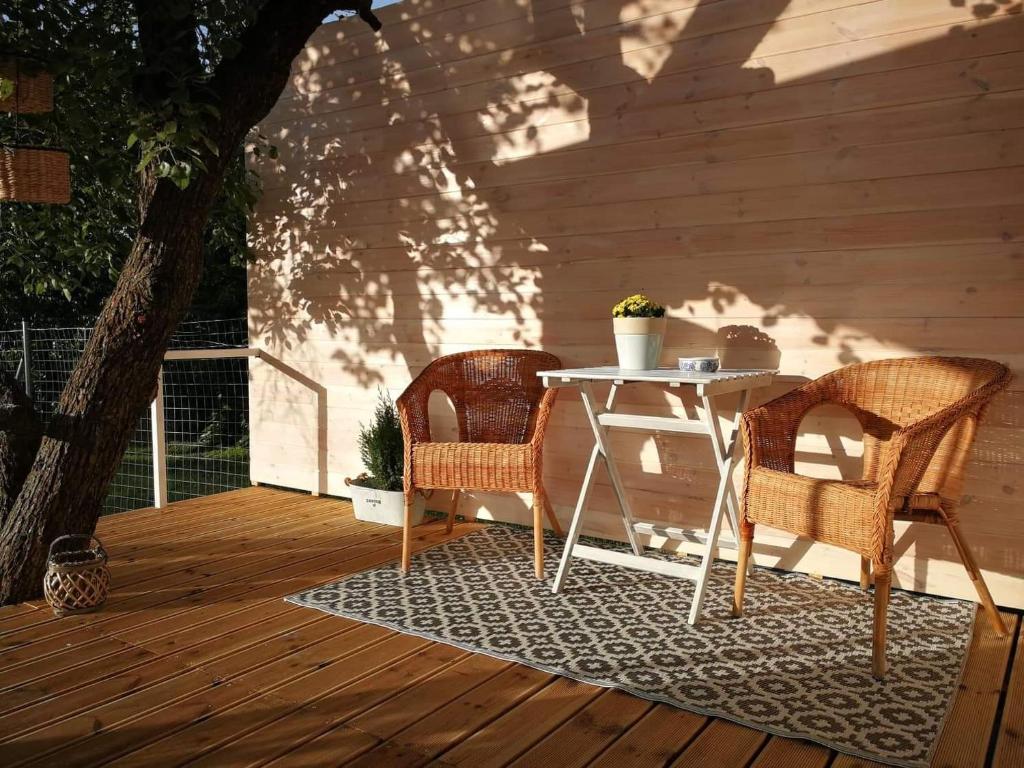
{"points": [[77, 578]]}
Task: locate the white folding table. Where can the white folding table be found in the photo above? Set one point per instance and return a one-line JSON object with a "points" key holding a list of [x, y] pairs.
{"points": [[709, 387]]}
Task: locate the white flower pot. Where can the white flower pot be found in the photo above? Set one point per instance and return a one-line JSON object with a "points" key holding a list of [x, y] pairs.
{"points": [[638, 341], [384, 507]]}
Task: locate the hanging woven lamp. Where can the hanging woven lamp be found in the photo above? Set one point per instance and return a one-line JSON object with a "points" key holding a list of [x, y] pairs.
{"points": [[31, 174], [33, 87], [35, 175]]}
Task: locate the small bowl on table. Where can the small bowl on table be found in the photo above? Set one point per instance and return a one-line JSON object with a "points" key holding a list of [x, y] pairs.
{"points": [[698, 364]]}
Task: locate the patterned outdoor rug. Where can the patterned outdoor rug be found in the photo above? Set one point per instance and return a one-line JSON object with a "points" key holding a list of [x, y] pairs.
{"points": [[797, 664]]}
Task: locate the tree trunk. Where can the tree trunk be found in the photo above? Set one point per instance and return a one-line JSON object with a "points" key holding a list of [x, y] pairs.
{"points": [[109, 388], [20, 432], [115, 377]]}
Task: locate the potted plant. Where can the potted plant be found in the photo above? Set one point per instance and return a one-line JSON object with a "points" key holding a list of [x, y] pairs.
{"points": [[377, 495], [639, 326]]}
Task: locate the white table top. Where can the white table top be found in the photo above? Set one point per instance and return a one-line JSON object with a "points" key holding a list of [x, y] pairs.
{"points": [[659, 375]]}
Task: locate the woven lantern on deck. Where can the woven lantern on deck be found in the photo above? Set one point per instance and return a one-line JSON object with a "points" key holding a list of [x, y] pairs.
{"points": [[33, 90], [35, 175], [77, 578]]}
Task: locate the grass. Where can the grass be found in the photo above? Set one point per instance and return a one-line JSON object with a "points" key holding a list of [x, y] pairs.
{"points": [[192, 471]]}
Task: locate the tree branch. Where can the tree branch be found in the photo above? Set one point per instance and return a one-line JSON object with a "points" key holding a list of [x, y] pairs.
{"points": [[249, 84], [170, 62], [169, 47]]}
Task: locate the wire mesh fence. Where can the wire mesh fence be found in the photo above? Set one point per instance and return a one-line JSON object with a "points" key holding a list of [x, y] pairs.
{"points": [[206, 409], [206, 417], [10, 351]]}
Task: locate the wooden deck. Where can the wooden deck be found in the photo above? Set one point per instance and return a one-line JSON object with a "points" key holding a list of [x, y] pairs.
{"points": [[197, 659]]}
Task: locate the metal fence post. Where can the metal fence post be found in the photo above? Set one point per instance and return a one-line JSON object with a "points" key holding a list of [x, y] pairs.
{"points": [[156, 412], [26, 357]]}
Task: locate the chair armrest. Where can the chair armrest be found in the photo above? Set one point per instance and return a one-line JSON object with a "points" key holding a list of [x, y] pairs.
{"points": [[907, 454], [769, 432], [413, 411], [540, 423]]}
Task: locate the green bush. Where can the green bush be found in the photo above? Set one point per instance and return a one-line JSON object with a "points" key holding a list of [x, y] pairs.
{"points": [[182, 449], [226, 426], [381, 447], [232, 453]]}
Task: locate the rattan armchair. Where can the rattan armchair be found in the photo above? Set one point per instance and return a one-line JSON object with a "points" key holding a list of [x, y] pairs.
{"points": [[919, 417], [502, 410]]}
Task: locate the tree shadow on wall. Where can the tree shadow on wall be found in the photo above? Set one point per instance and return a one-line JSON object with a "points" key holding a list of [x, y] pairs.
{"points": [[498, 174]]}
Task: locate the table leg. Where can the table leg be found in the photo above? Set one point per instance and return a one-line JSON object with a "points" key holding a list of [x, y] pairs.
{"points": [[581, 502], [577, 522], [604, 447], [701, 581], [726, 451], [725, 498]]}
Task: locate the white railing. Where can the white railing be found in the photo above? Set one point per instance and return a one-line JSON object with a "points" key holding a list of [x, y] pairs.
{"points": [[200, 439], [158, 435]]}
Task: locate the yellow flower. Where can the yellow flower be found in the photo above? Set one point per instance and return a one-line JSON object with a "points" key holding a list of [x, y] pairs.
{"points": [[637, 305]]}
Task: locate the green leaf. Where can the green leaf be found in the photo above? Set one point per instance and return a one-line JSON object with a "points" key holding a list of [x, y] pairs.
{"points": [[114, 131]]}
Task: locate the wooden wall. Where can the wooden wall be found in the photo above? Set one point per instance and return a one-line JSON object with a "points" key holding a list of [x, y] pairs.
{"points": [[806, 183]]}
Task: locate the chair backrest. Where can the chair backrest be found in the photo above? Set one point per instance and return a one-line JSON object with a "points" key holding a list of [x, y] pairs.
{"points": [[886, 395], [496, 393]]}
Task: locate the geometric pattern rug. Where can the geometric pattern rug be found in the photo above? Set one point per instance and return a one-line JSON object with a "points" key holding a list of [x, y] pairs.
{"points": [[797, 664]]}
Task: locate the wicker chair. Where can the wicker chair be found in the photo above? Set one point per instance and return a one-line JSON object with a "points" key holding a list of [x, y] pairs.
{"points": [[502, 409], [919, 417]]}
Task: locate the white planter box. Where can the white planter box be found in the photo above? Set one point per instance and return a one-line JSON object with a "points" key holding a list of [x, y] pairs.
{"points": [[638, 342], [384, 507]]}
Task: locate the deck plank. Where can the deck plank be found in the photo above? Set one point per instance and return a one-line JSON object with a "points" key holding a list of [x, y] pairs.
{"points": [[194, 606], [217, 585], [792, 753], [456, 721], [197, 658], [100, 708], [305, 721], [502, 740], [965, 740], [721, 745], [255, 705], [654, 740], [11, 664], [153, 592], [1009, 751], [587, 733], [397, 712]]}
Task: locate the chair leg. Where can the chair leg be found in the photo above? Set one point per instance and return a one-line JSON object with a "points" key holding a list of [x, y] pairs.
{"points": [[555, 526], [410, 500], [740, 587], [451, 512], [995, 618], [883, 585], [865, 573], [538, 533]]}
